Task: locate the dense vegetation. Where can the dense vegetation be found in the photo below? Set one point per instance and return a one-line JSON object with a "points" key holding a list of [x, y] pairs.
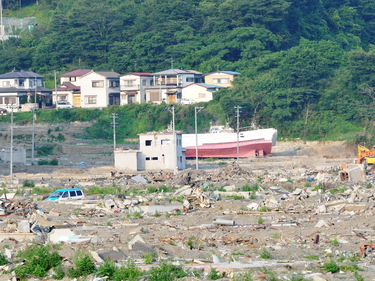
{"points": [[307, 66]]}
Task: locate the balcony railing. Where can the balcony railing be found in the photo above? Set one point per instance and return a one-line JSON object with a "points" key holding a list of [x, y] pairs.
{"points": [[132, 87]]}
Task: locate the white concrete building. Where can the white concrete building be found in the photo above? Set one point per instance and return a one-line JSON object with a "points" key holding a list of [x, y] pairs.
{"points": [[156, 152]]}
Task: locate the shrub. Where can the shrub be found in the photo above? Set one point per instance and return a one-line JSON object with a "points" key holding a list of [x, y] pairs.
{"points": [[331, 266], [84, 265], [45, 150], [28, 183], [253, 187], [3, 260], [43, 162], [54, 162], [129, 272], [108, 268], [166, 272], [38, 260]]}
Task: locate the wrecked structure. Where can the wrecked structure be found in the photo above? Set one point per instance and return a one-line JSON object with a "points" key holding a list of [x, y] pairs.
{"points": [[157, 151]]}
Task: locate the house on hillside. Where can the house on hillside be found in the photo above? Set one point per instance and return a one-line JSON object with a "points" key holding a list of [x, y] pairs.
{"points": [[133, 87], [167, 85], [70, 87], [20, 87], [157, 151], [198, 92], [221, 78], [100, 89]]}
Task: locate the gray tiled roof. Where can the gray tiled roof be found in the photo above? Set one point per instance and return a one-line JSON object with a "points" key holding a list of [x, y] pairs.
{"points": [[20, 74], [176, 71]]}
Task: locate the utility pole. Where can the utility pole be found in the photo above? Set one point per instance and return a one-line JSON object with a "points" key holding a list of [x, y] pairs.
{"points": [[171, 110], [33, 137], [238, 132], [196, 110], [55, 90], [12, 107], [114, 116]]}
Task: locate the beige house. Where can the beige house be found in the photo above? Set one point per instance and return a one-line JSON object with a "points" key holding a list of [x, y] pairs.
{"points": [[221, 78], [133, 87], [198, 92], [156, 152], [100, 89], [70, 88]]}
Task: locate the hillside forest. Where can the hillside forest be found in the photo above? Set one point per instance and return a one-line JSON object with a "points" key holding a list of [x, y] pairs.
{"points": [[307, 67]]}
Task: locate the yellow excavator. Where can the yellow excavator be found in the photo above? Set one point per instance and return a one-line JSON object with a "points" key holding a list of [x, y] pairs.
{"points": [[365, 154]]}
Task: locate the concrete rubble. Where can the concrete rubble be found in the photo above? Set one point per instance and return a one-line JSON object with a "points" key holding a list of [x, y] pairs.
{"points": [[226, 218]]}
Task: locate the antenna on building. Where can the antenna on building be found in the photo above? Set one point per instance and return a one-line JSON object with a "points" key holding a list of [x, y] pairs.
{"points": [[79, 62], [217, 67], [172, 61], [135, 66]]}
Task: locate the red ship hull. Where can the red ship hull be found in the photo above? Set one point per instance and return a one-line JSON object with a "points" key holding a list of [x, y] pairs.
{"points": [[251, 148]]}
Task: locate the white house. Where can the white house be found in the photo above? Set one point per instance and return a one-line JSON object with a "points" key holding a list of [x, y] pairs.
{"points": [[157, 151], [133, 87], [198, 92], [167, 85], [100, 89], [24, 86]]}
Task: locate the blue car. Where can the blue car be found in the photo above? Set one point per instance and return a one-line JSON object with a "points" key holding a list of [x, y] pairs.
{"points": [[66, 194]]}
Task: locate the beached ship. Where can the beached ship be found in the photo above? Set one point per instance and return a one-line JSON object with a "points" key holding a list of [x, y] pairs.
{"points": [[221, 142]]}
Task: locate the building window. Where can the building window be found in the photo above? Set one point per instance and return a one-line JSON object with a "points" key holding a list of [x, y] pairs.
{"points": [[72, 79], [10, 100], [221, 80], [129, 83], [21, 82], [113, 84], [181, 159], [6, 83], [154, 96], [64, 98], [202, 95], [123, 97], [97, 84], [198, 80], [154, 158], [148, 143], [90, 99], [144, 82], [1, 100], [189, 79], [147, 158]]}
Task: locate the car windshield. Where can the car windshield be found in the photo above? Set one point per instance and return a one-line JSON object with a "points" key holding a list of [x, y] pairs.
{"points": [[56, 194]]}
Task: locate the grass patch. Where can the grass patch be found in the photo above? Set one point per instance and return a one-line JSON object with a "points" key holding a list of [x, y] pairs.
{"points": [[104, 190], [312, 257], [254, 187], [265, 254]]}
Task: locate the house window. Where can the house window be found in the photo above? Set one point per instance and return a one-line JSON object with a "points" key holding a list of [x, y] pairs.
{"points": [[72, 79], [154, 158], [198, 80], [148, 143], [144, 82], [189, 79], [97, 84], [147, 158], [90, 99], [10, 100], [113, 84], [21, 82], [202, 95], [181, 159], [154, 96], [1, 100], [123, 97], [64, 98], [6, 83], [221, 80]]}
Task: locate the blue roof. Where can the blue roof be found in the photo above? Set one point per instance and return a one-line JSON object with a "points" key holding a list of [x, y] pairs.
{"points": [[209, 85], [226, 72]]}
